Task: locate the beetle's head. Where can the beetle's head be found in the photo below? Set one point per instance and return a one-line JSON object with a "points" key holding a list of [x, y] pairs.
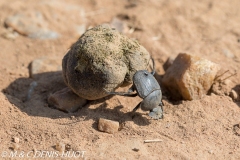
{"points": [[156, 113], [141, 73]]}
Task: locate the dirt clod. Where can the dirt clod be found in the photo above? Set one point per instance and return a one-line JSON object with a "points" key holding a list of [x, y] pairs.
{"points": [[102, 59]]}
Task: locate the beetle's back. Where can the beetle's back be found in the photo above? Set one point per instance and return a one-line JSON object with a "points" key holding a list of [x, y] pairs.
{"points": [[152, 100], [144, 83]]}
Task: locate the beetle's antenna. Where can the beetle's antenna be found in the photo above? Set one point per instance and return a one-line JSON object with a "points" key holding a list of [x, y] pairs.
{"points": [[230, 76], [153, 69], [147, 64], [218, 77]]}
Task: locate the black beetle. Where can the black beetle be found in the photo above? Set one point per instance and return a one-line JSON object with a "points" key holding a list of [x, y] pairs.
{"points": [[149, 90]]}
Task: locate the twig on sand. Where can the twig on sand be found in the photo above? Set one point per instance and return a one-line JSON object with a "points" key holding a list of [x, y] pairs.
{"points": [[153, 140]]}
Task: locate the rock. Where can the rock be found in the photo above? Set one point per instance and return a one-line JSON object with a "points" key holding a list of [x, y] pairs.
{"points": [[168, 63], [210, 152], [68, 147], [102, 59], [228, 53], [16, 140], [9, 34], [80, 29], [236, 129], [60, 147], [66, 100], [31, 24], [135, 149], [108, 126], [44, 64], [234, 95], [119, 25], [189, 77]]}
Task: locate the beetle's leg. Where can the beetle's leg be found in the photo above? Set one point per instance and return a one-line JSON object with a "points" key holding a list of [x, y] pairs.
{"points": [[134, 109], [131, 89], [128, 94], [153, 69], [161, 104], [123, 94]]}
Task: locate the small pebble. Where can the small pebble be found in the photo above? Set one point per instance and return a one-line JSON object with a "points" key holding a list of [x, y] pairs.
{"points": [[60, 147], [81, 29], [108, 126], [234, 95], [119, 25], [210, 151], [16, 140], [236, 129], [68, 147], [228, 53], [10, 35], [135, 149]]}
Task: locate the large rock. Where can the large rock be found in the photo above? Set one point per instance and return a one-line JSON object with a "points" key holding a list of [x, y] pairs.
{"points": [[102, 59], [189, 77]]}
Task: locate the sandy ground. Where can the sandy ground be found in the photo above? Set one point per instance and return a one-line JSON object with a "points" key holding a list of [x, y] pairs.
{"points": [[200, 129]]}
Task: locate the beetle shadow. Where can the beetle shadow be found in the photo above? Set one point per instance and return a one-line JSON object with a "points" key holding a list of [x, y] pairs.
{"points": [[30, 96], [102, 111]]}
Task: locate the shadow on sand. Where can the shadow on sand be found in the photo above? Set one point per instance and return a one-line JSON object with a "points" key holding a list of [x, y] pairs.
{"points": [[30, 96]]}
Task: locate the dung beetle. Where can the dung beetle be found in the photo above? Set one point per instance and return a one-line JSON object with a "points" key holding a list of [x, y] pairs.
{"points": [[149, 90]]}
